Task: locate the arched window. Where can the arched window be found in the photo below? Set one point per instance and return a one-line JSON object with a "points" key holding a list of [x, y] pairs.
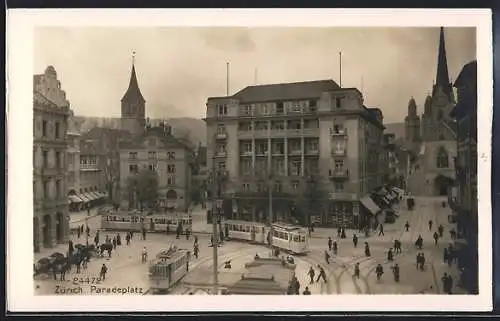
{"points": [[442, 158]]}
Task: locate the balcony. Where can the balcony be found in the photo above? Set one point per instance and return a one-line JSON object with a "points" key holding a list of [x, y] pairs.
{"points": [[294, 132], [339, 152], [338, 132], [221, 153], [338, 174], [221, 135], [246, 153], [312, 152], [245, 134], [342, 196], [89, 167], [278, 152], [310, 132], [295, 152], [262, 153], [277, 133]]}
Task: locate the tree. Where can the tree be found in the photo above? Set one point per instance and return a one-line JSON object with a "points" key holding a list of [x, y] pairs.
{"points": [[143, 189]]}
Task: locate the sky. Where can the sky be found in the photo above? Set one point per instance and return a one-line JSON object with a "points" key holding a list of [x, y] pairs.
{"points": [[178, 68]]}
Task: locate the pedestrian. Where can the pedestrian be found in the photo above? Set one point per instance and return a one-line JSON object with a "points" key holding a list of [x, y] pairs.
{"points": [[418, 259], [342, 234], [381, 231], [104, 270], [445, 255], [436, 237], [327, 257], [306, 291], [127, 238], [390, 255], [430, 225], [311, 274], [144, 234], [118, 240], [395, 272], [88, 231], [420, 242], [196, 250], [356, 270], [407, 226], [450, 284], [453, 234], [379, 270], [321, 274], [195, 240], [367, 249], [144, 255], [114, 243], [446, 283], [78, 232], [355, 240], [339, 232], [221, 237], [329, 243], [107, 239], [71, 249], [440, 230], [422, 262], [131, 235], [335, 247]]}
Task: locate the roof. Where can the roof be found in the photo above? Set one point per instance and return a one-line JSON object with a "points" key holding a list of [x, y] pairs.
{"points": [[133, 92], [442, 75], [137, 141], [286, 91]]}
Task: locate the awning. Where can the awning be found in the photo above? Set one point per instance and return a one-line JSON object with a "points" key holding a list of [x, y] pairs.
{"points": [[74, 199], [84, 198], [370, 205], [398, 191], [95, 195], [104, 194]]}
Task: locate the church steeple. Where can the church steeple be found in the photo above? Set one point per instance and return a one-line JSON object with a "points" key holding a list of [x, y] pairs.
{"points": [[133, 105], [133, 93], [442, 75]]}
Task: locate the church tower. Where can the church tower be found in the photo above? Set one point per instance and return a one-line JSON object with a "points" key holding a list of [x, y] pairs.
{"points": [[439, 105], [412, 126], [133, 111]]}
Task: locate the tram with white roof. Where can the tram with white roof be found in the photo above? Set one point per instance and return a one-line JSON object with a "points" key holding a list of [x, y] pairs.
{"points": [[162, 222]]}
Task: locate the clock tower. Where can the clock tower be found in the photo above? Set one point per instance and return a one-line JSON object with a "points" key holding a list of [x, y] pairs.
{"points": [[133, 106]]}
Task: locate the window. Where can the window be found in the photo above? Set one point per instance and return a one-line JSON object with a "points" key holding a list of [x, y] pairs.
{"points": [[338, 129], [442, 158], [221, 110], [171, 180], [338, 103], [247, 147], [151, 155], [246, 110], [221, 148], [171, 168], [246, 167], [58, 188], [58, 129], [277, 187], [313, 147], [58, 160], [339, 165], [296, 168], [279, 166], [221, 129], [295, 185], [171, 155], [132, 155], [245, 187], [153, 168], [279, 108], [264, 109], [46, 190], [45, 158], [339, 187], [133, 168], [44, 128], [221, 166], [312, 105]]}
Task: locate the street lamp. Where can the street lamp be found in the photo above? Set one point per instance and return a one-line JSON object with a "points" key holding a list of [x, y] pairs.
{"points": [[87, 228]]}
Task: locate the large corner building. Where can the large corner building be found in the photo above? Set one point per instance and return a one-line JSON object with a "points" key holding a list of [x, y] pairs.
{"points": [[281, 138]]}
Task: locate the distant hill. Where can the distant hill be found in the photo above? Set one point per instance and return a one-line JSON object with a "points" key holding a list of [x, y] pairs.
{"points": [[191, 128]]}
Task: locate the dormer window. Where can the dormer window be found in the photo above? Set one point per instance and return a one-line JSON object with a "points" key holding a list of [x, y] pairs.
{"points": [[338, 103], [221, 110]]}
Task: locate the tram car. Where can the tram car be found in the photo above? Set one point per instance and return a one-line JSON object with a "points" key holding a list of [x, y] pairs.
{"points": [[286, 237], [168, 268], [247, 231], [160, 223], [291, 238]]}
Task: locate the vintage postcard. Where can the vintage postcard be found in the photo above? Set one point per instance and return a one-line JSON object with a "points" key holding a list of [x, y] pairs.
{"points": [[329, 161]]}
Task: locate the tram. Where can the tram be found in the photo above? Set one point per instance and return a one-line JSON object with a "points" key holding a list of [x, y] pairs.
{"points": [[290, 238], [161, 223], [168, 268]]}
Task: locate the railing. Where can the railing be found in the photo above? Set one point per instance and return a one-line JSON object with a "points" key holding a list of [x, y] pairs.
{"points": [[221, 135], [340, 132], [221, 154], [339, 152], [247, 153], [342, 196], [339, 173], [89, 167]]}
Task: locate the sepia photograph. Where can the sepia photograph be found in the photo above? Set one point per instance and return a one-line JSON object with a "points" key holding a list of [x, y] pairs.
{"points": [[255, 160]]}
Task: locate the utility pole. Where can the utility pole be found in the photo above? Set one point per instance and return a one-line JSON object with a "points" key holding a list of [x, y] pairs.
{"points": [[216, 180]]}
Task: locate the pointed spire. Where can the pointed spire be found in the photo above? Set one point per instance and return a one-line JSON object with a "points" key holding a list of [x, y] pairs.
{"points": [[133, 93], [442, 76]]}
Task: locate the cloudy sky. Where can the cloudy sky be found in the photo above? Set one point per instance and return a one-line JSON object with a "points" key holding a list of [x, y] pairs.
{"points": [[178, 68]]}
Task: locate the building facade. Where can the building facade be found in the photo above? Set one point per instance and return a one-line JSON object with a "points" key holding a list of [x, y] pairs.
{"points": [[51, 111], [73, 157], [280, 141], [158, 151], [465, 204], [432, 165]]}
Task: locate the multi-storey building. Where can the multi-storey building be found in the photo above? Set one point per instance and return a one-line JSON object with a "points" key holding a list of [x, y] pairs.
{"points": [[73, 162], [92, 180], [157, 150], [200, 175], [51, 110], [466, 202], [280, 141]]}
